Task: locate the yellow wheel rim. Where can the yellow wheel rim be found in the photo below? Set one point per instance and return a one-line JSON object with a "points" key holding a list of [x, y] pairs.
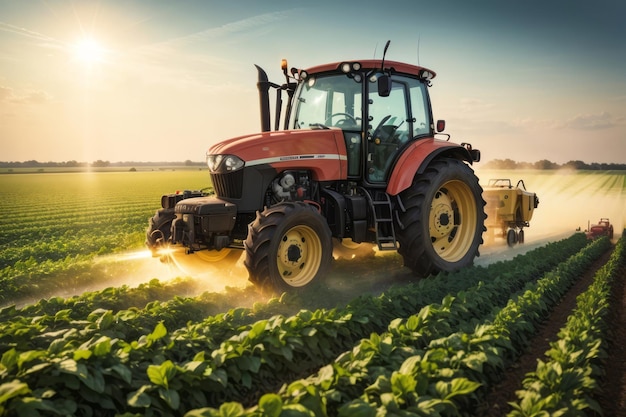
{"points": [[452, 220], [299, 256]]}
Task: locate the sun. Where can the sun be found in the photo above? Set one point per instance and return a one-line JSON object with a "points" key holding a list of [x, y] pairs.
{"points": [[88, 51]]}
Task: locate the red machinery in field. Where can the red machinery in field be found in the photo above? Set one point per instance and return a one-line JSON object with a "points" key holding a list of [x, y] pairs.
{"points": [[355, 160], [602, 228]]}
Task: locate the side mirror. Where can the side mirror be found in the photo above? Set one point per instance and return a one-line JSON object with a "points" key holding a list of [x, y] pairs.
{"points": [[441, 125], [384, 85]]}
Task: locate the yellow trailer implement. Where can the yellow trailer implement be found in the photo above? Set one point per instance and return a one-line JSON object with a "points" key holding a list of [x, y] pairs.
{"points": [[509, 209]]}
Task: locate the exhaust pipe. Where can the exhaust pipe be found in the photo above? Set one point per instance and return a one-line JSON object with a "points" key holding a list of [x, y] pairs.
{"points": [[264, 99]]}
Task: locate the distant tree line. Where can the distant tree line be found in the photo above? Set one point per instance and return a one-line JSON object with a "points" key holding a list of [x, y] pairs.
{"points": [[96, 164], [493, 164], [546, 164]]}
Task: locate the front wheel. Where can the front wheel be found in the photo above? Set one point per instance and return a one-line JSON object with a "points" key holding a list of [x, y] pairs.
{"points": [[159, 230], [288, 247], [441, 218]]}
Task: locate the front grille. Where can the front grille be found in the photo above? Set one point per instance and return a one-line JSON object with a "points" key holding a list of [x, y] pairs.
{"points": [[228, 185]]}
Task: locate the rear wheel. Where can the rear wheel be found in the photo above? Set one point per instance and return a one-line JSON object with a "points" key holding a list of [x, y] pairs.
{"points": [[288, 246], [511, 237], [441, 218]]}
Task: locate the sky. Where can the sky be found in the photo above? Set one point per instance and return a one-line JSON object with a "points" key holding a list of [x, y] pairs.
{"points": [[157, 80]]}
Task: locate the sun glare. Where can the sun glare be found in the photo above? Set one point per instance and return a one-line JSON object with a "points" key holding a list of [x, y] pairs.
{"points": [[88, 51]]}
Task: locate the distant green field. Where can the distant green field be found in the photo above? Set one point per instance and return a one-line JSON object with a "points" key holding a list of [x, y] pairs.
{"points": [[55, 223]]}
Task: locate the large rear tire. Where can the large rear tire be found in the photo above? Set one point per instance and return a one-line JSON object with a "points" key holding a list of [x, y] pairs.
{"points": [[441, 219], [288, 247]]}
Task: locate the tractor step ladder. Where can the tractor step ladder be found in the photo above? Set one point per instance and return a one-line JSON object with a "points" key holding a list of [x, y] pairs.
{"points": [[382, 214]]}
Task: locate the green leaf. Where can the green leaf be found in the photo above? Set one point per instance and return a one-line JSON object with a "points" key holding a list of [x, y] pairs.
{"points": [[257, 329], [403, 384], [9, 359], [244, 362], [231, 410], [271, 405], [161, 374], [82, 354], [357, 408], [171, 397], [458, 386], [159, 332], [102, 346], [105, 321], [12, 389], [29, 356], [94, 380], [139, 398], [123, 371], [296, 410], [202, 412]]}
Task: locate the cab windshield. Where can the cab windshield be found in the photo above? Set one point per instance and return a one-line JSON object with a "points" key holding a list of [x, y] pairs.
{"points": [[328, 101]]}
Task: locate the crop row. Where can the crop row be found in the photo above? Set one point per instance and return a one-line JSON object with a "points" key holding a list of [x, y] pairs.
{"points": [[94, 363], [433, 363], [58, 314], [54, 224], [565, 383]]}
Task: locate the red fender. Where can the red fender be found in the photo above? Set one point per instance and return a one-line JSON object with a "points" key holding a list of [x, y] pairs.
{"points": [[415, 159]]}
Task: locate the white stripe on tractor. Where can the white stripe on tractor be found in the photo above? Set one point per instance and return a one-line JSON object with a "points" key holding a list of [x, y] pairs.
{"points": [[286, 158]]}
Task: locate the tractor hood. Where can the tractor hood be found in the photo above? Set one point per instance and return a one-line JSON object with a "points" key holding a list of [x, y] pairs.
{"points": [[322, 151]]}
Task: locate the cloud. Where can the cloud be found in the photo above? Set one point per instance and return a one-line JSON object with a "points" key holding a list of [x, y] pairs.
{"points": [[6, 93], [44, 40], [178, 61], [224, 31], [602, 120], [474, 105], [9, 95]]}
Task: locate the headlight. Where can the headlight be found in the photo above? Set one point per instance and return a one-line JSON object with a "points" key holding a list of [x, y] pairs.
{"points": [[224, 163]]}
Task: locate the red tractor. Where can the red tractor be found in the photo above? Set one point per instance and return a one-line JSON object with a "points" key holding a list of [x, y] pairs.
{"points": [[356, 160], [602, 228]]}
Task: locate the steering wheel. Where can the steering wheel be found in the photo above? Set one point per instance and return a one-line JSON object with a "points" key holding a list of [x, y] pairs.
{"points": [[378, 129], [329, 120]]}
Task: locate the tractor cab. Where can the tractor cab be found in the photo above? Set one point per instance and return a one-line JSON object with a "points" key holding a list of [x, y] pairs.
{"points": [[379, 108], [378, 114]]}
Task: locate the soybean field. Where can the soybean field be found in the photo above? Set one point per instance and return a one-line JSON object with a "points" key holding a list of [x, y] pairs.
{"points": [[88, 330]]}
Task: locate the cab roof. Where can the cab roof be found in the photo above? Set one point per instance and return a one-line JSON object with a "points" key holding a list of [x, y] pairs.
{"points": [[394, 66]]}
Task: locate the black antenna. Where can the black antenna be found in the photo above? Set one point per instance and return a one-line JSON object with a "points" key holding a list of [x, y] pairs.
{"points": [[382, 64]]}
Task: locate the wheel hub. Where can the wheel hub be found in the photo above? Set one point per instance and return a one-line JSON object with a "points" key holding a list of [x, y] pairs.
{"points": [[442, 213], [294, 253]]}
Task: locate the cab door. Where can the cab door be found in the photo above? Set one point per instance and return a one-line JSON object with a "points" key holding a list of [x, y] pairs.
{"points": [[393, 122]]}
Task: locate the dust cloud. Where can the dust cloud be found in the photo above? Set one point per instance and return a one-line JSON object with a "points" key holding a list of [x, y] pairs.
{"points": [[135, 268], [568, 200]]}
